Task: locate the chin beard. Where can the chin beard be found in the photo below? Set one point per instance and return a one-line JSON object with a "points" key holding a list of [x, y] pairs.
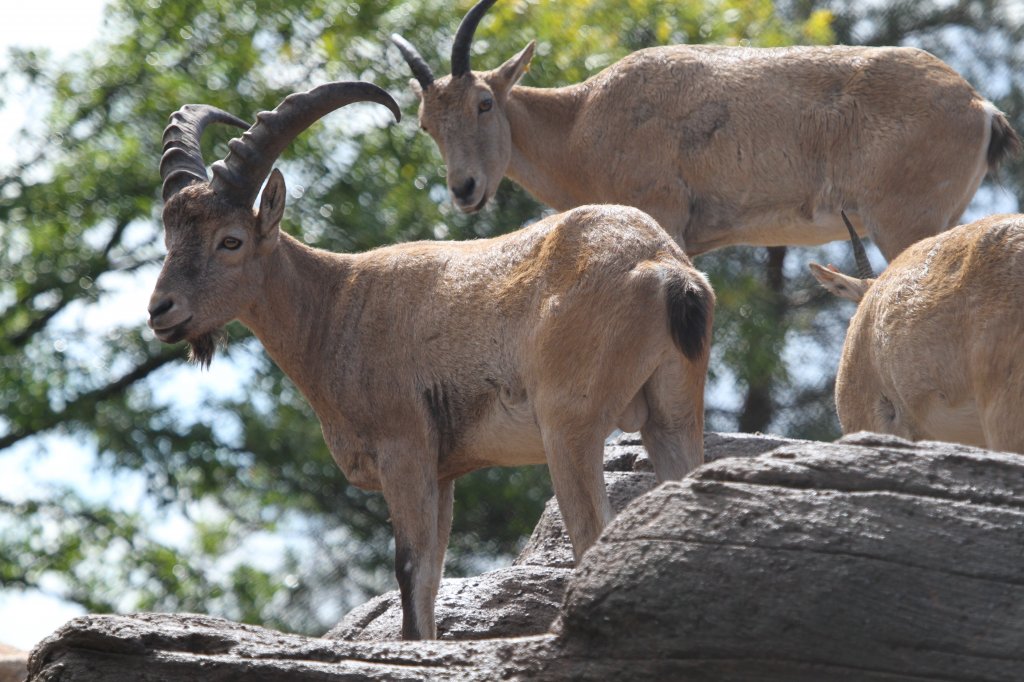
{"points": [[202, 348]]}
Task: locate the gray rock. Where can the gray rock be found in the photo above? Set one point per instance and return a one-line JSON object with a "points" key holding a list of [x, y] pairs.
{"points": [[549, 544], [899, 559], [719, 445], [871, 559], [629, 474], [154, 647], [508, 602], [625, 452]]}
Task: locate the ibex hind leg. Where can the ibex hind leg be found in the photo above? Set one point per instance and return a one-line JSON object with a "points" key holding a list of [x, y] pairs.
{"points": [[576, 460], [445, 509], [674, 433]]}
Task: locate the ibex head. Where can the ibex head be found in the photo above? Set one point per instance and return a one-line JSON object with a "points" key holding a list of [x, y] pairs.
{"points": [[217, 246], [465, 113], [844, 286]]}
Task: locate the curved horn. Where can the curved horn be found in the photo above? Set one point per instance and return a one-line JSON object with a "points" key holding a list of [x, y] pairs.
{"points": [[864, 270], [464, 37], [241, 173], [182, 160], [419, 66]]}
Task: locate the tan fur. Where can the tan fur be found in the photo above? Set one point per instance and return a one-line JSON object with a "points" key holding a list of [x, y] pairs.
{"points": [[936, 347], [729, 145], [427, 360]]}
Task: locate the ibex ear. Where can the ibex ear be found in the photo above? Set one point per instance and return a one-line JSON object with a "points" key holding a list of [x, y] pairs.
{"points": [[511, 71], [838, 284], [415, 86], [268, 220]]}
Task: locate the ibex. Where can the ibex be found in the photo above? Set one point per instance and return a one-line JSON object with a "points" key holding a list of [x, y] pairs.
{"points": [[725, 145], [427, 360], [936, 348]]}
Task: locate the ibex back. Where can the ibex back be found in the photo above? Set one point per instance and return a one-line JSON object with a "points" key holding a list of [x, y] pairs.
{"points": [[425, 361], [936, 348], [725, 145]]}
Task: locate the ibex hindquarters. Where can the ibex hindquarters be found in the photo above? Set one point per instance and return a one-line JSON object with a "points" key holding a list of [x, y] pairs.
{"points": [[898, 205], [936, 348], [639, 364]]}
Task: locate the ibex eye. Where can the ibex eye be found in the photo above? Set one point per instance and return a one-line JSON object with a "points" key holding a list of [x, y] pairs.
{"points": [[230, 243], [486, 104]]}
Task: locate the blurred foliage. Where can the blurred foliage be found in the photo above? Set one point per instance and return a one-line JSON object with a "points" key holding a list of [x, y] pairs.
{"points": [[249, 473]]}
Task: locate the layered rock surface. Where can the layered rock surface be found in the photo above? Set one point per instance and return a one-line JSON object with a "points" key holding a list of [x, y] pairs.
{"points": [[869, 559]]}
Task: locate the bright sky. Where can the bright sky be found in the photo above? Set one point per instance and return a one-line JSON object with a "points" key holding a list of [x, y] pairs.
{"points": [[63, 26]]}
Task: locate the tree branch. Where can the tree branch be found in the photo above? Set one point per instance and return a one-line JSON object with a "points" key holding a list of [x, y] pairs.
{"points": [[88, 401]]}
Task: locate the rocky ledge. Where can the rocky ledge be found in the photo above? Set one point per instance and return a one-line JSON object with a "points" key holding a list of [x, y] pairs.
{"points": [[872, 558]]}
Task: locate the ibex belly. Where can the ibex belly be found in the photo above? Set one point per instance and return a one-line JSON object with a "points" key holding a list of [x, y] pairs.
{"points": [[507, 435]]}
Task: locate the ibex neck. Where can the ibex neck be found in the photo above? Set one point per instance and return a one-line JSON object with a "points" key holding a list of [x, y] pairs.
{"points": [[292, 314], [543, 160]]}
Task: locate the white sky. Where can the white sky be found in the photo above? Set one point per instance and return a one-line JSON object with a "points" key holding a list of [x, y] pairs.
{"points": [[63, 26]]}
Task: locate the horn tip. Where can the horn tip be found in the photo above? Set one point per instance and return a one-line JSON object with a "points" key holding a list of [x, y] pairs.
{"points": [[392, 106]]}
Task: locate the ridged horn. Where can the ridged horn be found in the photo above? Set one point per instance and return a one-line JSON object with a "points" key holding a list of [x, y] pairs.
{"points": [[864, 270], [182, 161], [239, 175], [419, 66], [464, 37]]}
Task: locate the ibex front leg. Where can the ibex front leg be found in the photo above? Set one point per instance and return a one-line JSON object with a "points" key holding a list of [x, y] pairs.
{"points": [[411, 490]]}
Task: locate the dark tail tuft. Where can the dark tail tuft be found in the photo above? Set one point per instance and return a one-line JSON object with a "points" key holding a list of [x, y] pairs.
{"points": [[1005, 142], [691, 305]]}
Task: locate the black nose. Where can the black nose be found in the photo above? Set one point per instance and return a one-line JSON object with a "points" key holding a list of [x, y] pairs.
{"points": [[160, 307], [464, 191]]}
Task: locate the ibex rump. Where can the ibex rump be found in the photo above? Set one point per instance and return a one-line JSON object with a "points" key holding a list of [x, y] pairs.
{"points": [[936, 347], [725, 145], [427, 360]]}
